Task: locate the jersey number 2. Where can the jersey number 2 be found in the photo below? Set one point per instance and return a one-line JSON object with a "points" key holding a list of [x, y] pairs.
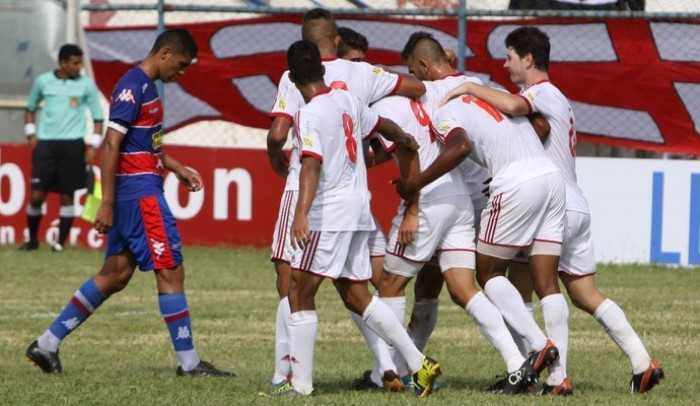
{"points": [[422, 118], [350, 143]]}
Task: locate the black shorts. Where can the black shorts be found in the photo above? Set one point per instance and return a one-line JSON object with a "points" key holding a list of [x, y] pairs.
{"points": [[58, 166]]}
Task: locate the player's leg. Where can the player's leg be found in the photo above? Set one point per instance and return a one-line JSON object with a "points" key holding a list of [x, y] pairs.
{"points": [[66, 214], [71, 177], [281, 257], [114, 276], [44, 169], [425, 307], [519, 276]]}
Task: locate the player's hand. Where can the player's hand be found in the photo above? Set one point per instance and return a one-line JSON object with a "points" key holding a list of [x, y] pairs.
{"points": [[90, 154], [485, 191], [32, 140], [192, 180], [408, 228], [281, 165], [406, 188], [407, 142], [456, 92], [103, 221], [300, 232]]}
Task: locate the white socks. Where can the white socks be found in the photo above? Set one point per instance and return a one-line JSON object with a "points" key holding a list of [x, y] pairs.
{"points": [[520, 341], [48, 341], [398, 306], [188, 359], [283, 367], [556, 321], [493, 327], [510, 304], [302, 338], [613, 319], [380, 350], [423, 321], [380, 318]]}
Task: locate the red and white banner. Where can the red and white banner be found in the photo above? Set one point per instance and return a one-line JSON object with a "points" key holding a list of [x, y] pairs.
{"points": [[238, 205], [632, 82]]}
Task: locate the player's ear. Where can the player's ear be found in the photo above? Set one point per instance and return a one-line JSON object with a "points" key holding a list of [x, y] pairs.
{"points": [[337, 40], [528, 61]]}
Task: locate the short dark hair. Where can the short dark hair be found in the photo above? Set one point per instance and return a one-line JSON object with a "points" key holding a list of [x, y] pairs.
{"points": [[304, 61], [530, 40], [317, 14], [179, 39], [351, 39], [436, 51], [67, 51]]}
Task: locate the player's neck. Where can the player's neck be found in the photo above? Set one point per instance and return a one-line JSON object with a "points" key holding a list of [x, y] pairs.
{"points": [[328, 54], [61, 74], [149, 68], [443, 71], [535, 76], [312, 89]]}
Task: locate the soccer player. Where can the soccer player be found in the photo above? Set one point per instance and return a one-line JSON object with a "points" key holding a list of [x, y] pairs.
{"points": [[59, 154], [332, 218], [141, 229], [353, 46], [368, 83], [525, 210], [527, 61]]}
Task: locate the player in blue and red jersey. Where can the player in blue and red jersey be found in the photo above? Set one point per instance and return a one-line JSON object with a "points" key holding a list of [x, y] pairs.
{"points": [[141, 229]]}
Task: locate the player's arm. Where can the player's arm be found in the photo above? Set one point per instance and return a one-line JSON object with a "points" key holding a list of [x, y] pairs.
{"points": [[409, 168], [94, 140], [191, 179], [506, 102], [308, 184], [108, 168], [375, 152], [276, 138], [457, 147], [541, 126], [33, 101], [409, 86]]}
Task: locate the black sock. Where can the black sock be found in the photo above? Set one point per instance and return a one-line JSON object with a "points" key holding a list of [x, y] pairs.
{"points": [[64, 226], [33, 224]]}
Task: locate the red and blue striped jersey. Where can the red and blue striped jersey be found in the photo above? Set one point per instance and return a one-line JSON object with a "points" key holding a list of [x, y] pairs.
{"points": [[136, 111]]}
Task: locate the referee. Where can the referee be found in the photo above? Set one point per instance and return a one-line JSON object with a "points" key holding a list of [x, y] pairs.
{"points": [[59, 153]]}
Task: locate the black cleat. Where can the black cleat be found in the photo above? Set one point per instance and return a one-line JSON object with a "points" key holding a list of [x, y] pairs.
{"points": [[204, 368], [29, 246], [543, 358], [515, 382], [566, 388], [47, 361], [365, 383], [645, 381]]}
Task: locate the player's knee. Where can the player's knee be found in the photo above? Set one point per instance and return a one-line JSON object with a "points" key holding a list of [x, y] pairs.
{"points": [[391, 285]]}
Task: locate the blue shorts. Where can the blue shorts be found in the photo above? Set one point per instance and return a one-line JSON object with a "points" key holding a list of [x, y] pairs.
{"points": [[146, 228]]}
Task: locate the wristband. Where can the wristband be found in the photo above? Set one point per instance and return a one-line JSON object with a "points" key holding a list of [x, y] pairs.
{"points": [[29, 129], [94, 140]]}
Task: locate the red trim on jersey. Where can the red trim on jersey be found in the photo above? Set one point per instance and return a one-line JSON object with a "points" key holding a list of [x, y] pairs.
{"points": [[177, 316], [329, 59], [529, 105], [455, 75], [311, 154], [150, 115], [131, 163], [156, 234], [280, 114], [322, 91], [81, 307], [397, 85], [540, 81]]}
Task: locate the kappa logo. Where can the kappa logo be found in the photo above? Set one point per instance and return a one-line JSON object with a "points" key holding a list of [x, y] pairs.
{"points": [[183, 333], [126, 96], [71, 323], [158, 247]]}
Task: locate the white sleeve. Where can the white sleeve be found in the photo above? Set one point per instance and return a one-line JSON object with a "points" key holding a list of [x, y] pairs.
{"points": [[380, 83], [445, 122], [539, 99], [288, 100], [309, 136]]}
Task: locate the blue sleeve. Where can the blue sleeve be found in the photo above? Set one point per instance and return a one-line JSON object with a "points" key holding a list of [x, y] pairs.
{"points": [[125, 103]]}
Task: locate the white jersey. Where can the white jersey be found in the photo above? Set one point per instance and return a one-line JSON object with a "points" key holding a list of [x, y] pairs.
{"points": [[331, 128], [367, 82], [507, 147], [547, 99]]}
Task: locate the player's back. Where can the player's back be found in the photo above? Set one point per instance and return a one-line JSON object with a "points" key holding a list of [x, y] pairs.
{"points": [[331, 127], [411, 116], [499, 142]]}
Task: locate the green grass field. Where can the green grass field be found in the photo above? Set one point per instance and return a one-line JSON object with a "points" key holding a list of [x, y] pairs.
{"points": [[123, 356]]}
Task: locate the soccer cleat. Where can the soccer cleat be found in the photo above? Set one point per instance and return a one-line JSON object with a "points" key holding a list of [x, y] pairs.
{"points": [[57, 247], [646, 380], [566, 388], [284, 390], [424, 378], [392, 382], [29, 246], [365, 383], [204, 368], [516, 382], [47, 361], [543, 358]]}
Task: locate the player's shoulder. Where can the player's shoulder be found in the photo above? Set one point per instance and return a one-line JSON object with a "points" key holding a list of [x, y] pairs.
{"points": [[45, 77], [133, 78]]}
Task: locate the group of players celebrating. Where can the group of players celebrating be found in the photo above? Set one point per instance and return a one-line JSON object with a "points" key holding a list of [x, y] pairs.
{"points": [[451, 137]]}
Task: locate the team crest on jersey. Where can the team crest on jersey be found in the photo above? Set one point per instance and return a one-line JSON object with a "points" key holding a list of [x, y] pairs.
{"points": [[157, 140], [282, 104], [73, 102], [443, 127], [377, 70], [126, 96], [308, 141]]}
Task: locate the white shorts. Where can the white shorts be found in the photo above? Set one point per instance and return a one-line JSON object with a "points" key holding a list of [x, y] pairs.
{"points": [[335, 255], [445, 229], [281, 238], [377, 241], [529, 215], [577, 257]]}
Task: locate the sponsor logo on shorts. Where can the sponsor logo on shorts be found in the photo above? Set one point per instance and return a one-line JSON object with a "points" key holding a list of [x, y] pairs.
{"points": [[158, 247]]}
